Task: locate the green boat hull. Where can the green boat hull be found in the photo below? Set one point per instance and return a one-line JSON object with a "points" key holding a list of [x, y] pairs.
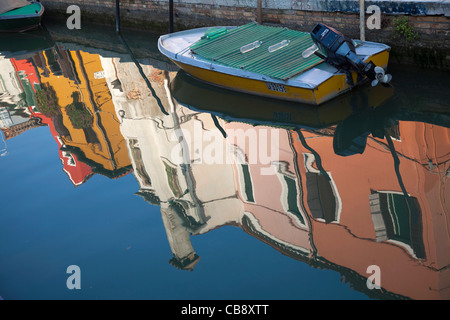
{"points": [[22, 19]]}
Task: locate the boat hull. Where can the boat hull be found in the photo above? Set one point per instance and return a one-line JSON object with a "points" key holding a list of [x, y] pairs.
{"points": [[21, 22], [329, 89]]}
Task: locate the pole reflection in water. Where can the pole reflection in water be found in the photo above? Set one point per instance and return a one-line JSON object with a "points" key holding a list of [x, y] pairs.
{"points": [[355, 183]]}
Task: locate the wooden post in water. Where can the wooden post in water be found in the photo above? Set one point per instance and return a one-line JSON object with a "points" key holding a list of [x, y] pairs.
{"points": [[362, 22], [259, 12], [170, 16]]}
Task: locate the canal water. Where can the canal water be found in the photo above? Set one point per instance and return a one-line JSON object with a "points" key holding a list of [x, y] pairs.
{"points": [[124, 178]]}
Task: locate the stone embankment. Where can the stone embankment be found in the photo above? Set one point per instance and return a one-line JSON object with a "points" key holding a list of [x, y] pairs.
{"points": [[417, 30]]}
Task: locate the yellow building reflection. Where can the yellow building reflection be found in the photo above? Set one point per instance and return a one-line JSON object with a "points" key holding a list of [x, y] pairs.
{"points": [[87, 109]]}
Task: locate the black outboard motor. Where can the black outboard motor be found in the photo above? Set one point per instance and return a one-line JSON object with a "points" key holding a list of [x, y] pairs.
{"points": [[341, 53]]}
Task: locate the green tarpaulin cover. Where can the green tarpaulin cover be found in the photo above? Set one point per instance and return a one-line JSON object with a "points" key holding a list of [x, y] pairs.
{"points": [[272, 51]]}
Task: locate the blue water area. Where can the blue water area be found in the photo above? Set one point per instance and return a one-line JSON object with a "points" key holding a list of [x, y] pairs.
{"points": [[119, 243], [95, 203]]}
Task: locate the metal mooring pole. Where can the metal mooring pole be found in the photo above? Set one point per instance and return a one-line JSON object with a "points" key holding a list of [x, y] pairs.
{"points": [[259, 12], [170, 16], [362, 22], [117, 16]]}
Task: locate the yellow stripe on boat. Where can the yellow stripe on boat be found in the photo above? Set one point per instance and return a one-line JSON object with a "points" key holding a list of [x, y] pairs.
{"points": [[277, 91]]}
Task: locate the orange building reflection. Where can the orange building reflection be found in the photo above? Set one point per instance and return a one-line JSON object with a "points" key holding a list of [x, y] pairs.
{"points": [[361, 216]]}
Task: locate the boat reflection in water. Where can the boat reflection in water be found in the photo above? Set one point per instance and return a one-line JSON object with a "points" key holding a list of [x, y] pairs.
{"points": [[356, 183]]}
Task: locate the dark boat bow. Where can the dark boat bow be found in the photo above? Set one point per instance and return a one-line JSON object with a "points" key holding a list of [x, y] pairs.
{"points": [[20, 15]]}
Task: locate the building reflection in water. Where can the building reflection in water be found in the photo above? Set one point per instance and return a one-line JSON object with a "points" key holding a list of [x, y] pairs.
{"points": [[64, 88], [296, 178], [345, 213]]}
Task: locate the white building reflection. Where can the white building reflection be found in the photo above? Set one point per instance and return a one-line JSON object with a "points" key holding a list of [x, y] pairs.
{"points": [[198, 168]]}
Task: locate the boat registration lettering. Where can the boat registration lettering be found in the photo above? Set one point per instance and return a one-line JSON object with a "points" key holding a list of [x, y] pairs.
{"points": [[275, 87]]}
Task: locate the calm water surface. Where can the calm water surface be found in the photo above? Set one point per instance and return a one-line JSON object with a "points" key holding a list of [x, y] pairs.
{"points": [[160, 187]]}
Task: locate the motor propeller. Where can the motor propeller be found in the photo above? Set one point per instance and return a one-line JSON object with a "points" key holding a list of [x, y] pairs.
{"points": [[381, 77]]}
